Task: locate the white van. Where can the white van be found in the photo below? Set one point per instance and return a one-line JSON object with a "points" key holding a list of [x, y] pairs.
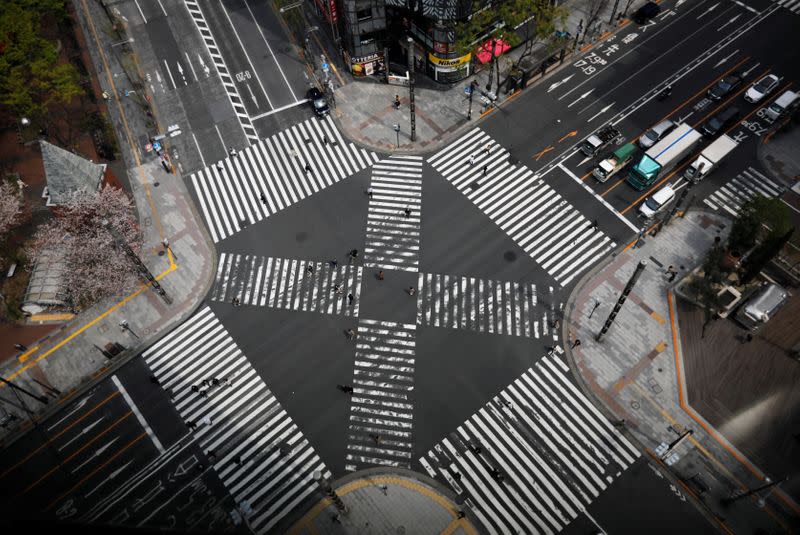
{"points": [[657, 202], [782, 104]]}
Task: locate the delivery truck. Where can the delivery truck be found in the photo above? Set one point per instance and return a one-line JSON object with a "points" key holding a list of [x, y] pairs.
{"points": [[619, 159], [599, 139], [662, 157], [709, 158]]}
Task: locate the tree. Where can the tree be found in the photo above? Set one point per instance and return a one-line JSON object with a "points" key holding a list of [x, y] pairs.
{"points": [[753, 214], [593, 9], [96, 267], [762, 254], [10, 207]]}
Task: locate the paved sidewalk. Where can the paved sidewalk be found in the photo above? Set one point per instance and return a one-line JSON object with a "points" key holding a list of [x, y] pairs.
{"points": [[636, 373], [382, 501], [365, 111], [71, 359]]}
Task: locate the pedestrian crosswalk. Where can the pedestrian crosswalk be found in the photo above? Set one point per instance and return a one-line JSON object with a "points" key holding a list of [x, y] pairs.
{"points": [[289, 284], [555, 234], [271, 175], [483, 305], [534, 457], [740, 189], [256, 449], [791, 5], [393, 219], [381, 407]]}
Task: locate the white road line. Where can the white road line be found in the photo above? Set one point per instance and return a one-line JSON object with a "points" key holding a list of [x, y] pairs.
{"points": [[140, 10], [707, 11], [219, 135], [189, 61], [261, 32], [577, 179], [174, 86], [276, 110], [200, 152], [138, 414], [244, 51], [164, 11]]}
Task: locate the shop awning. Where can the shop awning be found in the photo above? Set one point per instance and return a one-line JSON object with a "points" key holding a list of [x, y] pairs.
{"points": [[484, 52]]}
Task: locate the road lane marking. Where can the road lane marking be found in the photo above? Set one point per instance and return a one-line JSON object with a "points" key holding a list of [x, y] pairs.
{"points": [[139, 415], [140, 10], [277, 110], [605, 203], [261, 32]]}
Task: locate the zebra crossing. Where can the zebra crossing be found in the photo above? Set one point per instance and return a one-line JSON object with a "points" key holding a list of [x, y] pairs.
{"points": [[193, 6], [791, 5], [271, 175], [289, 284], [392, 237], [535, 456], [740, 189], [260, 454], [550, 230], [381, 406], [489, 306]]}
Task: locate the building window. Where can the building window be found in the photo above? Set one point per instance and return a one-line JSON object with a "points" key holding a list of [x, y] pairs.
{"points": [[364, 14]]}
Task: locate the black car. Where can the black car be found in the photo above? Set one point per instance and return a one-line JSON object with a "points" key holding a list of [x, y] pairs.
{"points": [[720, 121], [646, 12], [725, 86], [317, 101]]}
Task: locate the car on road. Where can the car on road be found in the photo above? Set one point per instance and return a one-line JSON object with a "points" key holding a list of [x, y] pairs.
{"points": [[724, 87], [720, 121], [318, 103], [646, 12], [657, 202], [762, 88], [655, 134]]}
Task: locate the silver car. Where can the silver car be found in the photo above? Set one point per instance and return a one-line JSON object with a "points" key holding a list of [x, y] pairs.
{"points": [[762, 88], [654, 135]]}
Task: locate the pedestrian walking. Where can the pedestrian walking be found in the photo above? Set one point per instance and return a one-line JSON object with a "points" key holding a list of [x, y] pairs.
{"points": [[235, 301], [220, 167], [471, 160], [201, 467], [748, 338], [212, 455], [369, 192], [345, 388], [375, 437], [237, 460], [350, 298], [307, 168], [214, 382], [154, 380], [205, 382], [195, 388], [384, 489], [284, 449], [351, 334], [337, 288], [333, 263], [397, 102], [21, 347], [460, 514], [293, 153], [324, 139], [263, 199], [310, 269], [207, 420], [232, 151], [204, 394], [575, 344], [407, 211], [593, 224], [380, 275], [337, 518], [411, 290], [671, 273], [191, 425], [488, 148], [555, 324], [353, 255], [485, 169]]}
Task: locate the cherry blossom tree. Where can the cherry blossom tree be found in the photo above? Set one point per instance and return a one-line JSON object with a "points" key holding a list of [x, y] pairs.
{"points": [[96, 268], [10, 206]]}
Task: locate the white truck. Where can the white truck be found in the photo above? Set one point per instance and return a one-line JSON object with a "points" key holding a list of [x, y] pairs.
{"points": [[663, 156], [709, 158]]}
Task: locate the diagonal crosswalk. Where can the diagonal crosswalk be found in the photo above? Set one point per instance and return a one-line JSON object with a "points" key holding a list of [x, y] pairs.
{"points": [[288, 284], [483, 305], [381, 407], [740, 189], [535, 456], [550, 230], [260, 454], [392, 237], [791, 5], [271, 175]]}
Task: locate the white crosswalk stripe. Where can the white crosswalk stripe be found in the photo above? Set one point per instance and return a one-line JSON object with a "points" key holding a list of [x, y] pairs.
{"points": [[791, 5], [392, 236], [193, 6], [535, 456], [288, 284], [270, 175], [260, 454], [555, 234], [740, 189], [483, 305], [381, 408]]}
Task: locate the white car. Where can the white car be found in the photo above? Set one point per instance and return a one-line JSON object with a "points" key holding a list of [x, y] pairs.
{"points": [[762, 88], [657, 202]]}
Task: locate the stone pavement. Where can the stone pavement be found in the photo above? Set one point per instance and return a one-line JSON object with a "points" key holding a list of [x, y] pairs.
{"points": [[778, 152], [380, 501], [70, 360], [636, 373], [365, 111]]}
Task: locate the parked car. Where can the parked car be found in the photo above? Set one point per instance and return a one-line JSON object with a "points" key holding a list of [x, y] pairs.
{"points": [[646, 12], [724, 87], [318, 103], [762, 306], [655, 134], [762, 88], [720, 121]]}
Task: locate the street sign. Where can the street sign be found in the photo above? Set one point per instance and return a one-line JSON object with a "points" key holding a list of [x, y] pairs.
{"points": [[156, 145]]}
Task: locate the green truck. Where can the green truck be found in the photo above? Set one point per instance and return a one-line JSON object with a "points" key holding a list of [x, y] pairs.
{"points": [[662, 157], [619, 159]]}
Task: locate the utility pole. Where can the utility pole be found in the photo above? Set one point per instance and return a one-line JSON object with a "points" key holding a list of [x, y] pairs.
{"points": [[472, 87], [411, 107], [143, 271], [739, 494], [325, 485], [41, 399], [628, 287], [611, 19]]}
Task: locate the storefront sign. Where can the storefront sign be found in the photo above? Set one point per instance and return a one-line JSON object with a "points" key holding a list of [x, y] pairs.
{"points": [[453, 63]]}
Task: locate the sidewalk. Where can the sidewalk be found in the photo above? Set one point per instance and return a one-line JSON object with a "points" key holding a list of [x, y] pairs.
{"points": [[71, 359], [366, 114], [637, 374], [380, 500]]}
